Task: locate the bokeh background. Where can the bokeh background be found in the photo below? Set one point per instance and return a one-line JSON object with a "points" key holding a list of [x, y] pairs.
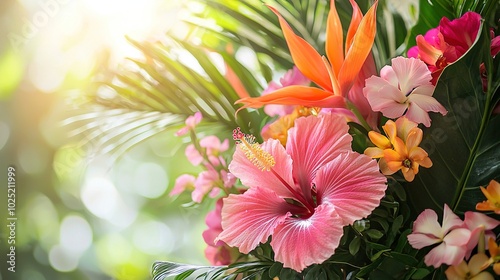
{"points": [[89, 207], [83, 214]]}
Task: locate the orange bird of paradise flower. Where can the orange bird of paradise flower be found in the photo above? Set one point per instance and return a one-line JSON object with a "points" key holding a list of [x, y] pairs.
{"points": [[335, 75]]}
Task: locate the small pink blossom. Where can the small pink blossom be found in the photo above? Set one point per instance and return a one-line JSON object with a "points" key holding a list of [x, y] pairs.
{"points": [[191, 123], [291, 77], [451, 236], [403, 89], [330, 186], [212, 147], [206, 183], [182, 183], [478, 222], [217, 253]]}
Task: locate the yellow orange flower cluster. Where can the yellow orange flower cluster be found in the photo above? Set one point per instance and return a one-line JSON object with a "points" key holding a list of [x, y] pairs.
{"points": [[279, 128], [399, 149]]}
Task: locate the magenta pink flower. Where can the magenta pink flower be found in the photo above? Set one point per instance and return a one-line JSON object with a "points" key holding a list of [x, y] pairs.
{"points": [[292, 77], [217, 253], [451, 236], [302, 195], [191, 123], [446, 43], [478, 222], [182, 183], [403, 89]]}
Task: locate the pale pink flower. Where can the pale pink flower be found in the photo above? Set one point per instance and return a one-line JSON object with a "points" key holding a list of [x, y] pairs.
{"points": [[291, 77], [451, 236], [217, 253], [330, 186], [182, 183], [206, 183], [478, 222], [403, 89], [191, 123], [212, 147], [469, 271]]}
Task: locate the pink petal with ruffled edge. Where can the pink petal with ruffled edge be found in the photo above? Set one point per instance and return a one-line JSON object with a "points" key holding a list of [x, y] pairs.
{"points": [[352, 183], [411, 73], [476, 223], [251, 176], [418, 115], [426, 230], [313, 142], [298, 243], [384, 97], [445, 254], [450, 220], [250, 218]]}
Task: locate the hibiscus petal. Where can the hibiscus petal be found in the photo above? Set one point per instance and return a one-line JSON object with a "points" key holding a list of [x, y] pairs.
{"points": [[445, 254], [251, 176], [250, 218], [313, 142], [305, 57], [352, 183], [298, 243]]}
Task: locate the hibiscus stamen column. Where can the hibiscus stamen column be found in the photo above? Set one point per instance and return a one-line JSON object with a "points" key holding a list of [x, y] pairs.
{"points": [[265, 162]]}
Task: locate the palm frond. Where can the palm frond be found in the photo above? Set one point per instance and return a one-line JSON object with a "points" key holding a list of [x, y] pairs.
{"points": [[178, 77]]}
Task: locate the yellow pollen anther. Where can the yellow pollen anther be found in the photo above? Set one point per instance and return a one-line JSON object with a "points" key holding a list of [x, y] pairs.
{"points": [[255, 154]]}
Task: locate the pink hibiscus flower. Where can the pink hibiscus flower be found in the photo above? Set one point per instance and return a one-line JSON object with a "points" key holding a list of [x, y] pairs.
{"points": [[403, 89], [301, 195], [452, 237]]}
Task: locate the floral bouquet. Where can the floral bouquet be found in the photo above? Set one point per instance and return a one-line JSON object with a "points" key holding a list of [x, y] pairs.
{"points": [[375, 156]]}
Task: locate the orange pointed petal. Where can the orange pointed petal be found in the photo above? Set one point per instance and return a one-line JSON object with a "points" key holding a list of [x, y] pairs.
{"points": [[353, 26], [235, 82], [359, 50], [305, 57], [427, 52], [334, 39], [379, 140], [295, 95]]}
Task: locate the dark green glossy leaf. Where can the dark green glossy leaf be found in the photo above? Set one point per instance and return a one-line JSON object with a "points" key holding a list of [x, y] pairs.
{"points": [[463, 144], [354, 245]]}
